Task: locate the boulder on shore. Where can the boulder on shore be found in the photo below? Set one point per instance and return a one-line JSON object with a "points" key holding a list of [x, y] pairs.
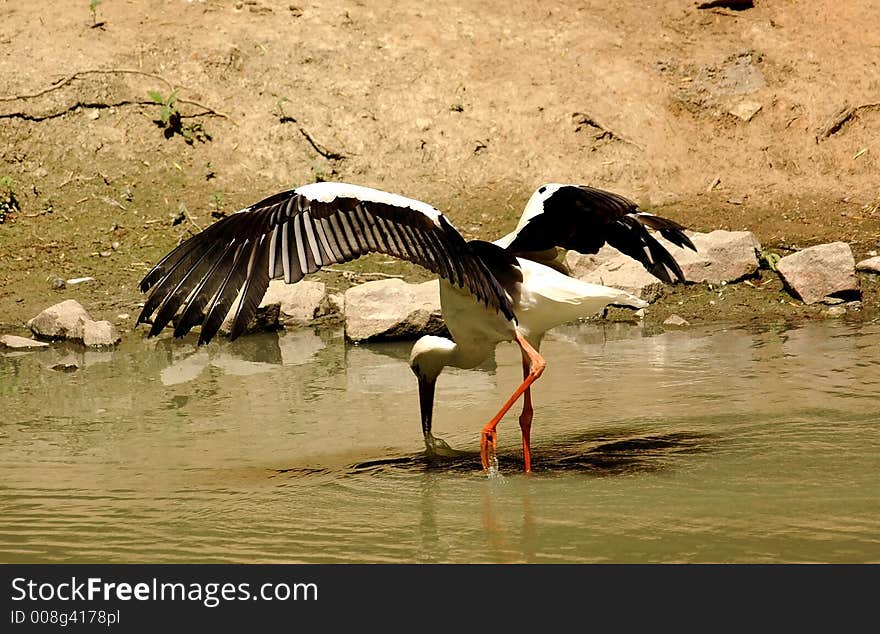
{"points": [[825, 271], [392, 309], [68, 320], [721, 256]]}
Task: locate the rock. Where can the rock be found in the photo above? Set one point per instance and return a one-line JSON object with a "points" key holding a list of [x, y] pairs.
{"points": [[745, 110], [285, 304], [69, 320], [266, 319], [300, 302], [871, 265], [337, 303], [676, 320], [721, 256], [610, 267], [818, 272], [836, 311], [582, 264], [64, 320], [11, 341], [66, 366], [99, 333], [392, 309]]}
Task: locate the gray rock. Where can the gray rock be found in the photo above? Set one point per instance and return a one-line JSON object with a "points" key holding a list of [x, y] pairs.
{"points": [[610, 267], [266, 319], [337, 303], [300, 302], [64, 320], [817, 272], [99, 333], [745, 110], [676, 320], [392, 309], [721, 256], [69, 320], [11, 341], [871, 265], [285, 304], [582, 265]]}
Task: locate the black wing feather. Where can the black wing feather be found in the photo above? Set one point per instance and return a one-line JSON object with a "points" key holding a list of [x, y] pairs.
{"points": [[584, 218], [198, 282]]}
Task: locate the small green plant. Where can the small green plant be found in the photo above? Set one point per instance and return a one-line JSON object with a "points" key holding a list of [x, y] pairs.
{"points": [[320, 173], [93, 7], [217, 204], [171, 121], [770, 259], [169, 116], [282, 117], [194, 131], [8, 200]]}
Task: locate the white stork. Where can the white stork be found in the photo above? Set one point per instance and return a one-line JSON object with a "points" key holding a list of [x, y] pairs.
{"points": [[510, 290]]}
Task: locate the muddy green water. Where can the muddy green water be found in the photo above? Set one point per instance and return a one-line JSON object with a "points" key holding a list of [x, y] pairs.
{"points": [[702, 445]]}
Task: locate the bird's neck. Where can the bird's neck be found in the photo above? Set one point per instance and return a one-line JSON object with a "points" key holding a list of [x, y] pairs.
{"points": [[467, 356], [432, 354], [447, 353]]}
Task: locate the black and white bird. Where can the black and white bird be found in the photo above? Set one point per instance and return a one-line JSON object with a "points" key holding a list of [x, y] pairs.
{"points": [[513, 289]]}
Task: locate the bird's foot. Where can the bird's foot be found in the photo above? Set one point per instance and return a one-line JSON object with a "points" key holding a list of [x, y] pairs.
{"points": [[437, 447], [488, 443]]}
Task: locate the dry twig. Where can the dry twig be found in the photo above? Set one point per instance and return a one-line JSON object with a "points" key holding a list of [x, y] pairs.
{"points": [[320, 149], [582, 119], [100, 71], [840, 117]]}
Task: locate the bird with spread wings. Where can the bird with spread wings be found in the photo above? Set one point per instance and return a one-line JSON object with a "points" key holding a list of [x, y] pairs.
{"points": [[513, 289]]}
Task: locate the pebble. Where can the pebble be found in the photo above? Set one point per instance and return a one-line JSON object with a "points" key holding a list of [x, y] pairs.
{"points": [[12, 341], [676, 320]]}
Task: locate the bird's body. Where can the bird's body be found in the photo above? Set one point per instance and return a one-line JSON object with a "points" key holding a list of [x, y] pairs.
{"points": [[546, 299], [510, 290]]}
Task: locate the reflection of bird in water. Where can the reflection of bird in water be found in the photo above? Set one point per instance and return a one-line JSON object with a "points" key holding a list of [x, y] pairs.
{"points": [[511, 290]]}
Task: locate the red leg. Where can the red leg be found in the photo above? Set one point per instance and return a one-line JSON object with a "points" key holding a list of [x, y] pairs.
{"points": [[525, 419], [488, 440]]}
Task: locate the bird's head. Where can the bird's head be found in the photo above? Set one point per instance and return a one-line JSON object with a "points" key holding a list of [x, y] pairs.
{"points": [[427, 359], [429, 356]]}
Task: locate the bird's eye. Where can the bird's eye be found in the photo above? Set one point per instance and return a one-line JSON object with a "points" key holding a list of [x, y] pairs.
{"points": [[542, 189]]}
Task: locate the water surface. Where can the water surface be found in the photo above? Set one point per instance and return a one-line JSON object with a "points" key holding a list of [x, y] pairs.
{"points": [[719, 444]]}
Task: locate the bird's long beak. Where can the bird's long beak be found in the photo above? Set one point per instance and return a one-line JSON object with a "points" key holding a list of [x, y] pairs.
{"points": [[426, 402]]}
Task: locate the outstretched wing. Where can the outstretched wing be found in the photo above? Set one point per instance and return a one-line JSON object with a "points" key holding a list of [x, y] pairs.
{"points": [[584, 218], [294, 233]]}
